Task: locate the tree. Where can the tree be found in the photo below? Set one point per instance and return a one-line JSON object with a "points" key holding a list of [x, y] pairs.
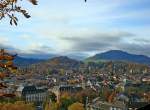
{"points": [[7, 66], [19, 105], [53, 97], [82, 95], [10, 7], [76, 106], [65, 103], [66, 100], [52, 106]]}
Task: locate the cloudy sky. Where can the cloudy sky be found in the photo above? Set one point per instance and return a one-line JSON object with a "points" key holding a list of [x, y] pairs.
{"points": [[73, 27]]}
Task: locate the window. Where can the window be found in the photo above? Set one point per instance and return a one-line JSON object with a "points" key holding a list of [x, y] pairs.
{"points": [[113, 108]]}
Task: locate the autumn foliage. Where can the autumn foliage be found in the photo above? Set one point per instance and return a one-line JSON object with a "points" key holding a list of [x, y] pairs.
{"points": [[19, 105], [8, 8], [76, 106], [6, 61], [6, 66]]}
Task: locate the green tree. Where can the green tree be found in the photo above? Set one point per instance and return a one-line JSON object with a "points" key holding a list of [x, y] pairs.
{"points": [[52, 106], [53, 97], [76, 106], [65, 103]]}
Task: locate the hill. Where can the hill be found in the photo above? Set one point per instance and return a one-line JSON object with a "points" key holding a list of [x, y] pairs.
{"points": [[21, 61], [56, 63], [62, 64], [63, 61], [118, 55]]}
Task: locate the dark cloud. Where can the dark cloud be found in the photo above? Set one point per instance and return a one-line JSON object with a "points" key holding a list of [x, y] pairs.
{"points": [[105, 42], [136, 48], [79, 45], [97, 42], [42, 49], [43, 52]]}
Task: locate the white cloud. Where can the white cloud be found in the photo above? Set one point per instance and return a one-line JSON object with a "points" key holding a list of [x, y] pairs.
{"points": [[54, 20]]}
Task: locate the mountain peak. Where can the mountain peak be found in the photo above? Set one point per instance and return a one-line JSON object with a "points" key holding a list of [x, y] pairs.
{"points": [[115, 52], [119, 55]]}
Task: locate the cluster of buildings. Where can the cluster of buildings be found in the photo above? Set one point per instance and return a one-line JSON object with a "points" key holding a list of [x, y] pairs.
{"points": [[36, 87]]}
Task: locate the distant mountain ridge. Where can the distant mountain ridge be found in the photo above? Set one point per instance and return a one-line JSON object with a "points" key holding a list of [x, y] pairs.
{"points": [[56, 63], [59, 65], [112, 55], [21, 61], [118, 55]]}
